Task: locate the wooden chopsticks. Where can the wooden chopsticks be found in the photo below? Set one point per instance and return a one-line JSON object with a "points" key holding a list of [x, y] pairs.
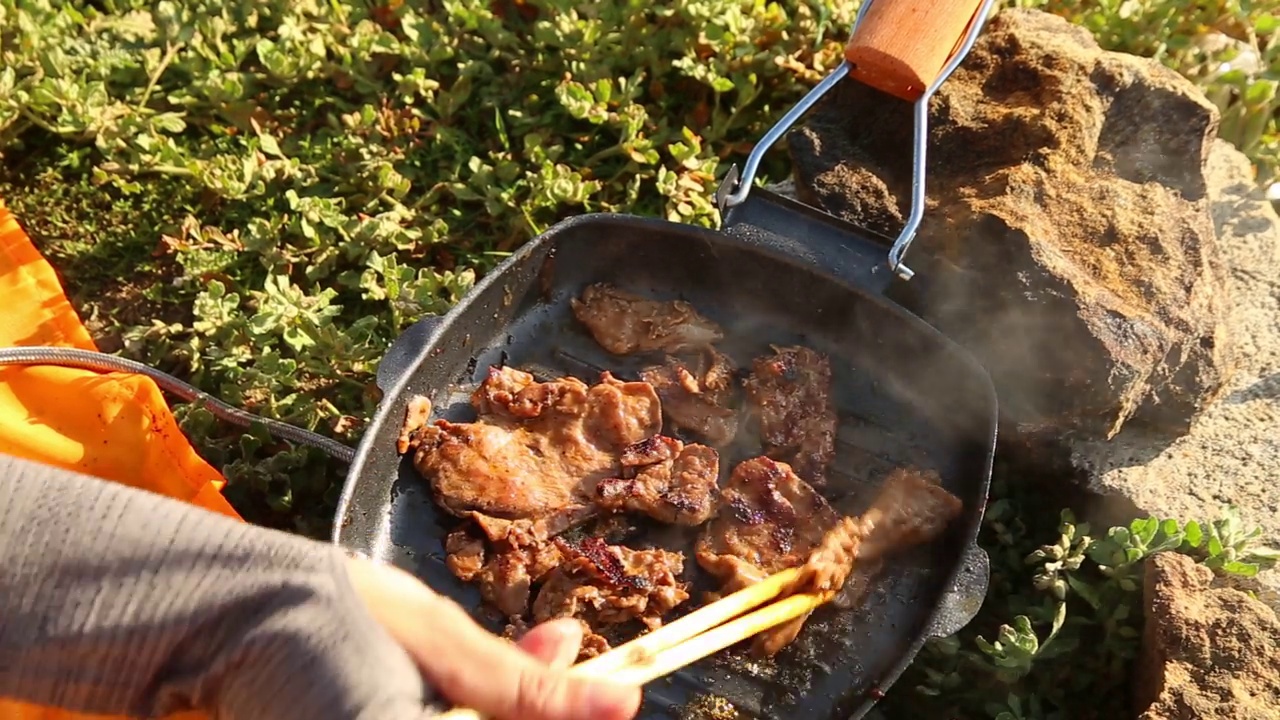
{"points": [[687, 640]]}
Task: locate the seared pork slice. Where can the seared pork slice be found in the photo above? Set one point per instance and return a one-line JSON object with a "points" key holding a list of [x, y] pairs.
{"points": [[611, 584], [769, 520], [592, 644], [857, 587], [666, 480], [699, 396], [911, 508], [790, 392], [506, 573], [533, 530], [416, 416], [538, 448], [625, 323], [464, 554]]}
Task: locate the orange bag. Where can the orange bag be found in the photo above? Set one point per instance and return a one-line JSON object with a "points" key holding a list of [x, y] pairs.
{"points": [[114, 426]]}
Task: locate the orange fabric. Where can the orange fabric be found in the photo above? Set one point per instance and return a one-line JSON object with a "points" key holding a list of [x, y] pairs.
{"points": [[114, 426]]}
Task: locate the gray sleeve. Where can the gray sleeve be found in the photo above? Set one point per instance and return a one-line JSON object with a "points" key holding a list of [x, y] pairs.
{"points": [[116, 600]]}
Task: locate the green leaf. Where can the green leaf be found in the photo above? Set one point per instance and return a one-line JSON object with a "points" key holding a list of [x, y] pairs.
{"points": [[269, 146], [1243, 569], [1260, 92], [1144, 530], [1193, 534], [1215, 545], [1085, 591]]}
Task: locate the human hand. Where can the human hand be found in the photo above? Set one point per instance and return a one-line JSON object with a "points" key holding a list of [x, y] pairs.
{"points": [[474, 668]]}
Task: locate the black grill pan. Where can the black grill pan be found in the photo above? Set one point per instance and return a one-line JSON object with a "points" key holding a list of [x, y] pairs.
{"points": [[905, 395], [777, 272]]}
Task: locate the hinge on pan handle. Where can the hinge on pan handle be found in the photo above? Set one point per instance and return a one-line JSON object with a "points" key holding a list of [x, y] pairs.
{"points": [[734, 189]]}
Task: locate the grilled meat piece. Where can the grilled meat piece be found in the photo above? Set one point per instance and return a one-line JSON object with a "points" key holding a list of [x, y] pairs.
{"points": [[416, 415], [857, 587], [911, 508], [592, 644], [532, 530], [538, 448], [791, 394], [464, 554], [666, 480], [610, 584], [515, 629], [527, 470], [769, 520], [625, 323], [505, 575], [700, 397]]}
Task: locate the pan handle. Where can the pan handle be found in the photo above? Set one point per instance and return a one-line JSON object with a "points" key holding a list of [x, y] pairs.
{"points": [[901, 46], [404, 351], [905, 47], [965, 596]]}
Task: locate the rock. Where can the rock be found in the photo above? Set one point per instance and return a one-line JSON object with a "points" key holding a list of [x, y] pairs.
{"points": [[1232, 452], [1207, 653], [1067, 240]]}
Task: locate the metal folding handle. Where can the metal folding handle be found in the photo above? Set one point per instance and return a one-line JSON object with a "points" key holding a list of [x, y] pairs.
{"points": [[919, 144]]}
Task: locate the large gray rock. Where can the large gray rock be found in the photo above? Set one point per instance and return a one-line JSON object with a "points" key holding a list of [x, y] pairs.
{"points": [[1232, 452], [1067, 241]]}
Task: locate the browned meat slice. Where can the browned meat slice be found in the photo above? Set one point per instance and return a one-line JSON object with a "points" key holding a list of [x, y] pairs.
{"points": [[416, 416], [911, 508], [857, 586], [515, 629], [610, 584], [698, 396], [538, 448], [528, 531], [791, 394], [506, 574], [624, 323], [592, 644], [666, 480], [769, 520], [464, 554]]}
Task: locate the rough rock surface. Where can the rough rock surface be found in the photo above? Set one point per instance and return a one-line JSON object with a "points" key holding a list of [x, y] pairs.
{"points": [[1207, 653], [1232, 452], [1067, 240]]}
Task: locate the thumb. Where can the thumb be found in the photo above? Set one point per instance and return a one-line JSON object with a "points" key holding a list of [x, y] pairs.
{"points": [[504, 682], [555, 643]]}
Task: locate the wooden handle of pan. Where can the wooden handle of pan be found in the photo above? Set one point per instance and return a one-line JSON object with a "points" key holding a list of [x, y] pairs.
{"points": [[901, 46]]}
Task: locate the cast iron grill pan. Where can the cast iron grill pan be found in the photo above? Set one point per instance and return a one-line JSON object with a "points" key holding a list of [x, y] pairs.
{"points": [[905, 395]]}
